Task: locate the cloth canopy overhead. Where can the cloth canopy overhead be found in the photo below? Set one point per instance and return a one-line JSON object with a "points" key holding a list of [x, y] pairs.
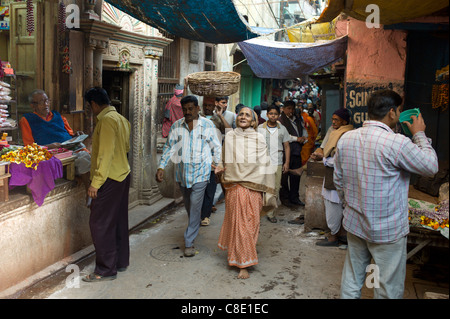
{"points": [[308, 31], [391, 11], [288, 60], [211, 21]]}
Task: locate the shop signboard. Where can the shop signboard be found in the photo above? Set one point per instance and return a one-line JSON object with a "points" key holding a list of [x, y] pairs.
{"points": [[357, 94]]}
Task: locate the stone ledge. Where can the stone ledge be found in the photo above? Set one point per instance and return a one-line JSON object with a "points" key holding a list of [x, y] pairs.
{"points": [[20, 200]]}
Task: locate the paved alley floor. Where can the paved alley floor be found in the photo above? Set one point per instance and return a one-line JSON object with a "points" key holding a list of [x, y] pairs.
{"points": [[290, 266]]}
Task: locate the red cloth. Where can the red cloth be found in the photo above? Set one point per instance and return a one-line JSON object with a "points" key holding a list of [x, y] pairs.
{"points": [[175, 113]]}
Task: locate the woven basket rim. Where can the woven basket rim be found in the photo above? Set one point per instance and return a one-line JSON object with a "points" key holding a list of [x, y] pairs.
{"points": [[214, 76]]}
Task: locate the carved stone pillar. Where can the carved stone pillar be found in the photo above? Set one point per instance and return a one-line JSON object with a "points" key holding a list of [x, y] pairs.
{"points": [[98, 62], [88, 83], [148, 158]]}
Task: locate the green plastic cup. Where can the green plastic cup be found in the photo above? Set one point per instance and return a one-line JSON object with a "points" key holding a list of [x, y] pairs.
{"points": [[405, 116]]}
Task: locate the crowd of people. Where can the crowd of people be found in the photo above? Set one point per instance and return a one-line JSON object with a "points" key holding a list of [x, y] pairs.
{"points": [[258, 155], [255, 157]]}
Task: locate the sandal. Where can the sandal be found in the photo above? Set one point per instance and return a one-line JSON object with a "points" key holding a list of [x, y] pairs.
{"points": [[298, 221], [272, 219], [93, 277], [205, 222]]}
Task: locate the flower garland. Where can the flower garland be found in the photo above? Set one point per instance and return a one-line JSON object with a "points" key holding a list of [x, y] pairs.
{"points": [[435, 219], [30, 17], [30, 155]]}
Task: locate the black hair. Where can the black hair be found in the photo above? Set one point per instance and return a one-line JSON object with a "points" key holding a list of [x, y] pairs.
{"points": [[98, 95], [239, 107], [220, 98], [380, 103], [189, 99], [273, 107], [257, 110], [264, 105], [289, 103]]}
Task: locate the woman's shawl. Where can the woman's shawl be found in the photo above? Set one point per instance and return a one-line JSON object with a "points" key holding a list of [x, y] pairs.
{"points": [[247, 162]]}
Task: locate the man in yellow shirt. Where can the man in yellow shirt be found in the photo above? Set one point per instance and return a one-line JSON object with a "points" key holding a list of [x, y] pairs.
{"points": [[110, 183]]}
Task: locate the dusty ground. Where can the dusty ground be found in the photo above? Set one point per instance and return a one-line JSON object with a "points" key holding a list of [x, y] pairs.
{"points": [[290, 265]]}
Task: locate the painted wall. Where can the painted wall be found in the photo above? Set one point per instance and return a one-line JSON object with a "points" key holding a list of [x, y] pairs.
{"points": [[34, 238], [376, 59]]}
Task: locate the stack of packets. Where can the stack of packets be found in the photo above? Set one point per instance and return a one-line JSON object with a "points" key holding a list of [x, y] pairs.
{"points": [[5, 97]]}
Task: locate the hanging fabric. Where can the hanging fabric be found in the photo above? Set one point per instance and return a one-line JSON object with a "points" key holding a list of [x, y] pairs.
{"points": [[288, 60], [212, 21]]}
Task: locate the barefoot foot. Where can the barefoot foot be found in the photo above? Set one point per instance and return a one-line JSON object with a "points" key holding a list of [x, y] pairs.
{"points": [[243, 274]]}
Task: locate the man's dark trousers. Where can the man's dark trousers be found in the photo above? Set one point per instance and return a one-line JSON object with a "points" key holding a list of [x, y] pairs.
{"points": [[208, 200], [109, 227], [290, 183]]}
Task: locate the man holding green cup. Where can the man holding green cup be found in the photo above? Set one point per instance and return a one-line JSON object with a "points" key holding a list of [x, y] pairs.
{"points": [[372, 168]]}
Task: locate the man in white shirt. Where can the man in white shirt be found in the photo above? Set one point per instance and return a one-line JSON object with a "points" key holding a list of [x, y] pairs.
{"points": [[221, 106]]}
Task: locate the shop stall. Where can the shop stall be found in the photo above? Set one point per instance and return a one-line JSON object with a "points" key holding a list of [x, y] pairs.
{"points": [[428, 222]]}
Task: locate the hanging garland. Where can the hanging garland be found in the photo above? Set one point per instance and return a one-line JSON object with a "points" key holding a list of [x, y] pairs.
{"points": [[30, 17], [61, 23], [63, 41]]}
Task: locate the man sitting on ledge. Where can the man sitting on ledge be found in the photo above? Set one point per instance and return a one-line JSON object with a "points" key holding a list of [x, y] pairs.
{"points": [[49, 128]]}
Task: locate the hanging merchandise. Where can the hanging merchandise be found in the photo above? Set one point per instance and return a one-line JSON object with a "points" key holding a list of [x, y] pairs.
{"points": [[63, 40], [30, 17], [61, 24], [66, 64], [439, 93]]}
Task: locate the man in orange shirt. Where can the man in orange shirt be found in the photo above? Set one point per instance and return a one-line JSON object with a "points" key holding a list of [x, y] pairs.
{"points": [[49, 128], [44, 125]]}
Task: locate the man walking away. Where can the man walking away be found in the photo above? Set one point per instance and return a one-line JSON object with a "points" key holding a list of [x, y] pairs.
{"points": [[371, 174]]}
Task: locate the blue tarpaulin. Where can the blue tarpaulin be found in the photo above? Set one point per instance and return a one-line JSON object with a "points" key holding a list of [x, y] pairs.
{"points": [[288, 60], [211, 21]]}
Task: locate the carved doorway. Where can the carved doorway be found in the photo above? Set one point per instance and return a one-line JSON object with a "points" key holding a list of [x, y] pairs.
{"points": [[117, 84]]}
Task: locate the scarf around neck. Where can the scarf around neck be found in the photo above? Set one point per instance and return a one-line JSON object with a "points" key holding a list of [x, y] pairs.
{"points": [[247, 162], [330, 147]]}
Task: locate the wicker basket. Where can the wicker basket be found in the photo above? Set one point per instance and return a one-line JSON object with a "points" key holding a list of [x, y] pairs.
{"points": [[214, 83]]}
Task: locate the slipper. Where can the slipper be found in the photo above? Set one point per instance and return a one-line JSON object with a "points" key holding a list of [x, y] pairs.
{"points": [[297, 221], [272, 219], [93, 277]]}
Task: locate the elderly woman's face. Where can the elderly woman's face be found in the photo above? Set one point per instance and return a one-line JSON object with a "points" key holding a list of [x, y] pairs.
{"points": [[245, 118], [337, 122]]}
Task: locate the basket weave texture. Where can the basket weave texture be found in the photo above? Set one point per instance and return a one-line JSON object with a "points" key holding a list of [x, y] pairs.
{"points": [[214, 83]]}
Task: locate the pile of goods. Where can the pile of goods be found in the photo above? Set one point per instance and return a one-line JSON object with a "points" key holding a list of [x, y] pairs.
{"points": [[10, 148], [60, 153], [428, 215], [30, 155], [5, 97]]}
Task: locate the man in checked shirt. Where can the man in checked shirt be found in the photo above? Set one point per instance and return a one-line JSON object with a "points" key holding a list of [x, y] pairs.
{"points": [[194, 148], [371, 174]]}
